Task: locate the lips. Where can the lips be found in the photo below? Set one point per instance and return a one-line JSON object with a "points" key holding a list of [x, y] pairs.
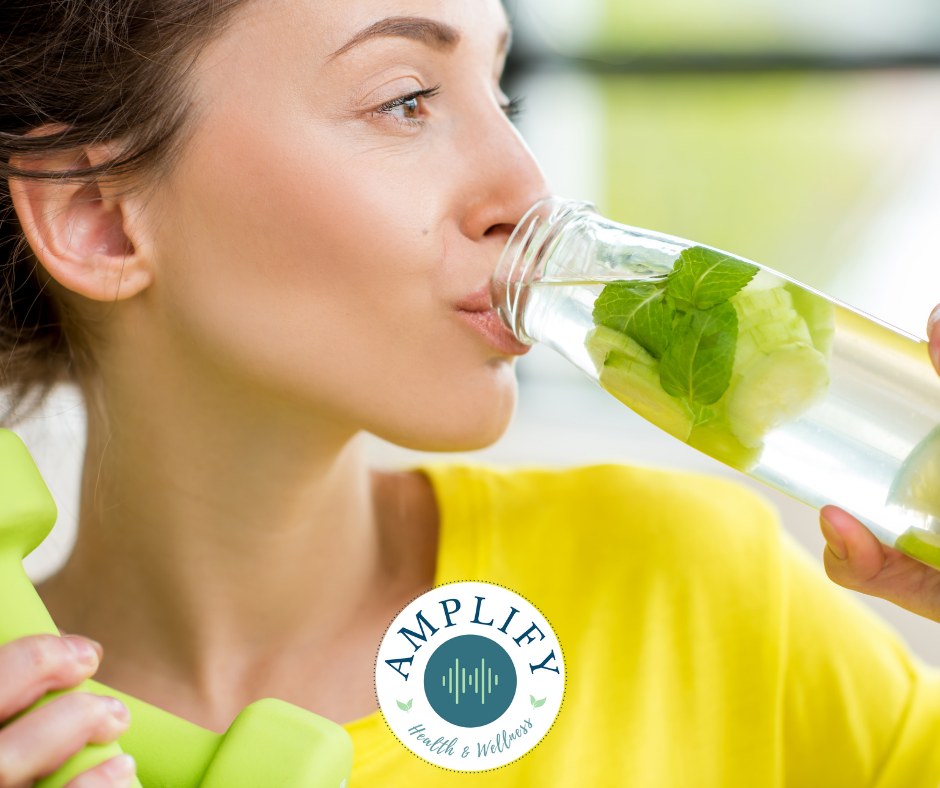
{"points": [[477, 311]]}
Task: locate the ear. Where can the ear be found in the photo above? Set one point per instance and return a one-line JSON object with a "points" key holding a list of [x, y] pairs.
{"points": [[83, 233]]}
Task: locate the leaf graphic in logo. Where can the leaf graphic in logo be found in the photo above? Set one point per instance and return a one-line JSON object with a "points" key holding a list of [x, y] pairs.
{"points": [[404, 706], [409, 703], [537, 703]]}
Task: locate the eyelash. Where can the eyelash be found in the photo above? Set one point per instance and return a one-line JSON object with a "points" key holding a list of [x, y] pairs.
{"points": [[513, 109], [401, 100]]}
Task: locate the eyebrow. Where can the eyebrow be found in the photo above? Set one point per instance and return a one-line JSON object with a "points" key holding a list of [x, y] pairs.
{"points": [[428, 31]]}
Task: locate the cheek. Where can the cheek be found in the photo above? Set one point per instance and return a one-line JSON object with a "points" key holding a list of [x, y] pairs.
{"points": [[317, 279]]}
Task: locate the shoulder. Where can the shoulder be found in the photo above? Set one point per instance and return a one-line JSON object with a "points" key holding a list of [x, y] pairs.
{"points": [[622, 513]]}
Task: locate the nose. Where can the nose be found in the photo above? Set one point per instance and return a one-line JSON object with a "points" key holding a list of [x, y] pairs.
{"points": [[503, 178]]}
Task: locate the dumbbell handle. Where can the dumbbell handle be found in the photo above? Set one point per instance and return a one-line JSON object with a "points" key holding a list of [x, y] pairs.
{"points": [[27, 514], [24, 614]]}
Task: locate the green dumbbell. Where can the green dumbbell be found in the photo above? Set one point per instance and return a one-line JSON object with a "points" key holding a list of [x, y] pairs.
{"points": [[271, 743]]}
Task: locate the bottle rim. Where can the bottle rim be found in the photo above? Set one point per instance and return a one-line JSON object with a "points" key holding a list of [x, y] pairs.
{"points": [[524, 250]]}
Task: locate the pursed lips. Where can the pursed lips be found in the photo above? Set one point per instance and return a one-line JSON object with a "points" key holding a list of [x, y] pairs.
{"points": [[477, 310]]}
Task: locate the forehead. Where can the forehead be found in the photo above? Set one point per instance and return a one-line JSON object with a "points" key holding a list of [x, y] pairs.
{"points": [[330, 26], [470, 17], [277, 56]]}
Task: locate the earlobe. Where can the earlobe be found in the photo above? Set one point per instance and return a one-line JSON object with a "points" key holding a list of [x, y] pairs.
{"points": [[80, 235]]}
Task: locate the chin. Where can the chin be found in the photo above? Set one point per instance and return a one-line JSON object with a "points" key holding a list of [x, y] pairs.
{"points": [[460, 423]]}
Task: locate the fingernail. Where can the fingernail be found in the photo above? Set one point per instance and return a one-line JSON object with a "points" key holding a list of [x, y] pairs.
{"points": [[120, 766], [118, 710], [82, 650], [833, 539]]}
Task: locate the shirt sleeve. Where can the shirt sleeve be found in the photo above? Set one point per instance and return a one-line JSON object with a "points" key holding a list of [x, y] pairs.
{"points": [[858, 708]]}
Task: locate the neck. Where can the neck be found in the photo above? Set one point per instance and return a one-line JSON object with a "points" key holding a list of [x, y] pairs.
{"points": [[215, 534]]}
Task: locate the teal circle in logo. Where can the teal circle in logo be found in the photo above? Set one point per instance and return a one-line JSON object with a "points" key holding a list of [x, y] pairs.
{"points": [[470, 681]]}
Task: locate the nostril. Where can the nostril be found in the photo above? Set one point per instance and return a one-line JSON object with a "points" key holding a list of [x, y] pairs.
{"points": [[500, 230]]}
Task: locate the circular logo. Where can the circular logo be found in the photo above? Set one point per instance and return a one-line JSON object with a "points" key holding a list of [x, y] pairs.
{"points": [[470, 676]]}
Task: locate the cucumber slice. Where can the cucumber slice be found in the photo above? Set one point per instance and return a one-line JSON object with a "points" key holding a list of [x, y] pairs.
{"points": [[601, 340], [820, 317], [714, 438], [749, 301], [774, 389], [785, 331], [916, 485], [766, 320], [636, 385], [765, 338], [920, 544], [762, 316]]}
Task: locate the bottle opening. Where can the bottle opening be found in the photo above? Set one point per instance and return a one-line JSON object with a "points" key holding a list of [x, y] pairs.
{"points": [[523, 260]]}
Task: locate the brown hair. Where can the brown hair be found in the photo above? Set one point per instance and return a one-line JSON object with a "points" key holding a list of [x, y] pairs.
{"points": [[89, 71]]}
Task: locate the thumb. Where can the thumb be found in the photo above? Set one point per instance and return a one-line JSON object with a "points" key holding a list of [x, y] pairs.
{"points": [[853, 556], [856, 560]]}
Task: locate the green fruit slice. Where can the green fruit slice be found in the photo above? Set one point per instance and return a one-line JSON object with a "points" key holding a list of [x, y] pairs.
{"points": [[916, 485], [601, 340], [760, 317], [920, 544], [765, 339], [748, 301], [636, 385], [715, 439], [820, 317], [766, 320], [776, 388]]}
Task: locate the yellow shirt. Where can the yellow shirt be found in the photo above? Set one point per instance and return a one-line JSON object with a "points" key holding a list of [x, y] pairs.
{"points": [[703, 647]]}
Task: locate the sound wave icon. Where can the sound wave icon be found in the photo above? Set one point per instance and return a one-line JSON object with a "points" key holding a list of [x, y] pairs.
{"points": [[481, 682]]}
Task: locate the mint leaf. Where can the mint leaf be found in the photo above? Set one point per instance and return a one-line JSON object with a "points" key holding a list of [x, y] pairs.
{"points": [[403, 706], [697, 364], [702, 414], [538, 703], [638, 309], [702, 278]]}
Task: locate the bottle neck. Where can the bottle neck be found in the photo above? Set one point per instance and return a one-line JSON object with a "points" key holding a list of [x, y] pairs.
{"points": [[525, 258]]}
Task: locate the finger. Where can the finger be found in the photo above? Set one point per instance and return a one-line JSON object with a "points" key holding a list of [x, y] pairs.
{"points": [[38, 743], [99, 649], [118, 772], [41, 663], [933, 337], [855, 559], [853, 556]]}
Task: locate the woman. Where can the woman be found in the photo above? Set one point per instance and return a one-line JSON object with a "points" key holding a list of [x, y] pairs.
{"points": [[257, 228]]}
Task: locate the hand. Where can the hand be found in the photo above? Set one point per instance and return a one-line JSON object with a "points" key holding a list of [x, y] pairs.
{"points": [[38, 743], [855, 559]]}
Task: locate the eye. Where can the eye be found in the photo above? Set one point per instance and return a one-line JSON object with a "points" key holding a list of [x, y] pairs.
{"points": [[408, 107]]}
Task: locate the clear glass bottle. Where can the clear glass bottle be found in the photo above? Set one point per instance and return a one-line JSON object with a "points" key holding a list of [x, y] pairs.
{"points": [[777, 380]]}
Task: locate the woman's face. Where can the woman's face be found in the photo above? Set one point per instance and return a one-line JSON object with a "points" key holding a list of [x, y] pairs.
{"points": [[328, 233]]}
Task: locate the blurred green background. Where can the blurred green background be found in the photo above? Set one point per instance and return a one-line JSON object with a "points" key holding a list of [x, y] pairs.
{"points": [[863, 27], [803, 135], [777, 167]]}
